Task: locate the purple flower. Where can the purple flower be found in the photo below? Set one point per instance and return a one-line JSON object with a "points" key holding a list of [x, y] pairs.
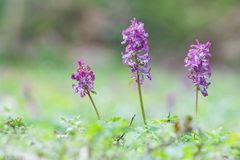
{"points": [[197, 62], [85, 79], [136, 54]]}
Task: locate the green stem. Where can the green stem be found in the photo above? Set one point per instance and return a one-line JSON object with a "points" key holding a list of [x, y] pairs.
{"points": [[140, 94], [196, 102], [94, 106]]}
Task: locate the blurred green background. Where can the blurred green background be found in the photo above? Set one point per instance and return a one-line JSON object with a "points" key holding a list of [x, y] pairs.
{"points": [[40, 42]]}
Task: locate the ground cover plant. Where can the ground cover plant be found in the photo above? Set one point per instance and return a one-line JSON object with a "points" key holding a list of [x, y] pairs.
{"points": [[116, 138], [170, 137]]}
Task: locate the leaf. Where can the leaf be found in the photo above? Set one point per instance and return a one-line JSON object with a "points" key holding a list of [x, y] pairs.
{"points": [[131, 81], [94, 92], [169, 116]]}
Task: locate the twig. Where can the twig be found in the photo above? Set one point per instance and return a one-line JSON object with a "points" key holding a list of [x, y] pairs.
{"points": [[159, 146], [121, 137]]}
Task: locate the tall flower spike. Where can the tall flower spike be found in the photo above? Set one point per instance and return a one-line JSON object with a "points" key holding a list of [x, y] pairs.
{"points": [[136, 55], [197, 62], [85, 78]]}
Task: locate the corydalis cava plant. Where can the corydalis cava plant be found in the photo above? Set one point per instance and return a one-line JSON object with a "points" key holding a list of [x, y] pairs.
{"points": [[136, 55], [85, 78], [197, 62]]}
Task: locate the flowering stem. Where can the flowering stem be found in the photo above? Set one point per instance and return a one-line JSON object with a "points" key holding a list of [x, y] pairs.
{"points": [[196, 101], [140, 93], [94, 106]]}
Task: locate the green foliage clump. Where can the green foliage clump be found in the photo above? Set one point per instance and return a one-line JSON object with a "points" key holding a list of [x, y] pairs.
{"points": [[117, 138]]}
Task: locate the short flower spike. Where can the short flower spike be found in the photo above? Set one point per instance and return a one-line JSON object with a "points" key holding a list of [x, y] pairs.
{"points": [[85, 78]]}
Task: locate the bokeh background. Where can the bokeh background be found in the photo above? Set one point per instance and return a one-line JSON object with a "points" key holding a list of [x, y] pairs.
{"points": [[41, 41]]}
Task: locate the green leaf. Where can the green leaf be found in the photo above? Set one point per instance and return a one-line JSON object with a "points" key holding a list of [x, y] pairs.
{"points": [[131, 81], [94, 92]]}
